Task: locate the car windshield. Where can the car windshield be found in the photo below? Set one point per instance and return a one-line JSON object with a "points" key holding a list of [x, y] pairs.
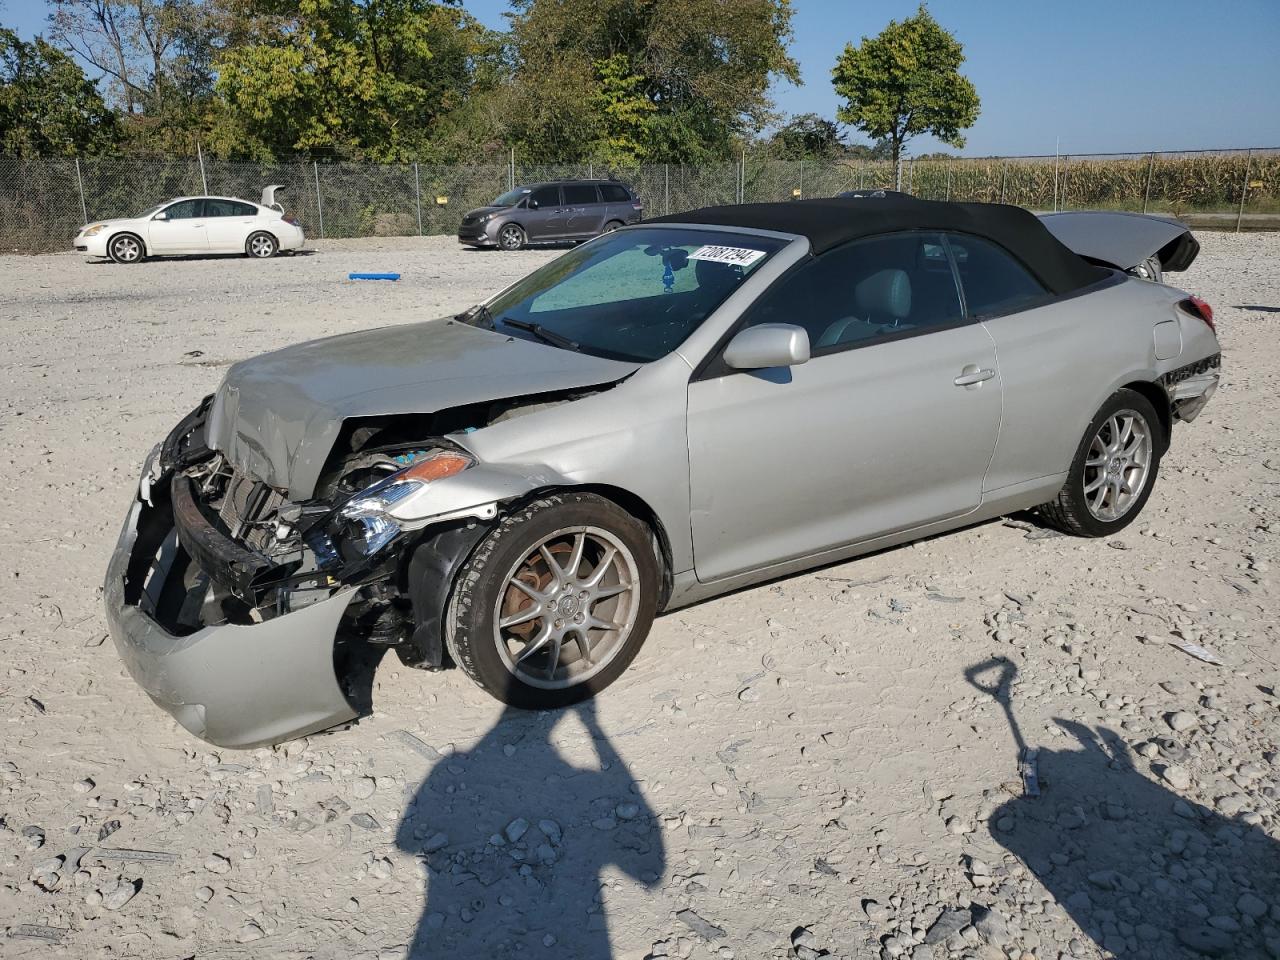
{"points": [[511, 197], [153, 211], [631, 295]]}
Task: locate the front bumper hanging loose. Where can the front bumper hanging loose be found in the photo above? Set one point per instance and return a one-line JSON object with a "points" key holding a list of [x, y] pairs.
{"points": [[234, 685]]}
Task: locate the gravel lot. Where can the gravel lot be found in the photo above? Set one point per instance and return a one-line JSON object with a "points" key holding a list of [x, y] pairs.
{"points": [[827, 764]]}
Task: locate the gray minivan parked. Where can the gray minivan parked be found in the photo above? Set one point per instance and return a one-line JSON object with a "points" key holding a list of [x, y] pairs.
{"points": [[557, 212]]}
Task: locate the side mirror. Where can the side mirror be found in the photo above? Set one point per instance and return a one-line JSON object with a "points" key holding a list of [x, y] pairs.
{"points": [[768, 345], [533, 204], [162, 215]]}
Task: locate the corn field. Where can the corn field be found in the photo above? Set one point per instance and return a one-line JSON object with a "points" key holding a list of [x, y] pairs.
{"points": [[44, 201]]}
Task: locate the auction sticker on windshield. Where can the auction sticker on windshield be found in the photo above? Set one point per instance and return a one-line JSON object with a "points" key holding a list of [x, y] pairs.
{"points": [[743, 256]]}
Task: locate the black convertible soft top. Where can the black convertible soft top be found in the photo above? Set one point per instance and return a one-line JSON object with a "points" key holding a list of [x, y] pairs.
{"points": [[830, 222]]}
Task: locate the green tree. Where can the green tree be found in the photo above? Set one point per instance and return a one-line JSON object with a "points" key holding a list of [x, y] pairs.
{"points": [[366, 78], [906, 81], [47, 104], [807, 136], [705, 67], [154, 62], [624, 111]]}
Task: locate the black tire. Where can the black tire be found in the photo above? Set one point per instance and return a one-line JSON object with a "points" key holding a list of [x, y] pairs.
{"points": [[127, 248], [611, 226], [261, 246], [1071, 511], [511, 236], [470, 629]]}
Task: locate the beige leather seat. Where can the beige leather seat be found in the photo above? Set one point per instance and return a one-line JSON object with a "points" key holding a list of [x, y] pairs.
{"points": [[883, 301]]}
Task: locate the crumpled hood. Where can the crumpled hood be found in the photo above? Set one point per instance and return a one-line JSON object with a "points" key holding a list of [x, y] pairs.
{"points": [[276, 416]]}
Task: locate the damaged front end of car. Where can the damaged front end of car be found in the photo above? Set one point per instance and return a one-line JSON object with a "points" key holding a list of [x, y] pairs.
{"points": [[236, 608]]}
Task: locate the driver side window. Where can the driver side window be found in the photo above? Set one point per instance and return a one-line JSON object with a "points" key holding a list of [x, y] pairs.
{"points": [[545, 197], [866, 291], [184, 210]]}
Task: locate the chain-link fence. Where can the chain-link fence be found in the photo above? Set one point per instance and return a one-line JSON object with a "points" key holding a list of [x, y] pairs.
{"points": [[44, 201]]}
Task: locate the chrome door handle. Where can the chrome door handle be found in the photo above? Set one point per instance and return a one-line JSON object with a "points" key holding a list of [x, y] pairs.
{"points": [[972, 376]]}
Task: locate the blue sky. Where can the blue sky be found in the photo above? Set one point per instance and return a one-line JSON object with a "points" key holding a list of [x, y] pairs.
{"points": [[1094, 75]]}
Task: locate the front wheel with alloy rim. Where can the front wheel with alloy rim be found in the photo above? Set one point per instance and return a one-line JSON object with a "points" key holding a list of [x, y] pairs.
{"points": [[261, 246], [125, 248], [511, 237], [555, 602], [1114, 469]]}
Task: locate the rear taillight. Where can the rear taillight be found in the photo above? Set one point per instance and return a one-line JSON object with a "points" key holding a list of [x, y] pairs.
{"points": [[291, 220], [1198, 308], [637, 206]]}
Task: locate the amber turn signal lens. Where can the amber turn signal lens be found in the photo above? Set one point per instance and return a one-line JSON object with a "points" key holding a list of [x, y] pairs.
{"points": [[437, 468]]}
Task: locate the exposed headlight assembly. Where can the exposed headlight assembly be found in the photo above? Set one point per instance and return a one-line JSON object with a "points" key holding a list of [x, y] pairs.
{"points": [[369, 513], [94, 230]]}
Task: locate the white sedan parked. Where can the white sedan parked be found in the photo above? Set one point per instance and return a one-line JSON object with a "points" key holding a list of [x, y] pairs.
{"points": [[194, 225]]}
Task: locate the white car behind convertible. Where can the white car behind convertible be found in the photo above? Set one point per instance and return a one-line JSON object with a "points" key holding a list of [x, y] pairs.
{"points": [[195, 225]]}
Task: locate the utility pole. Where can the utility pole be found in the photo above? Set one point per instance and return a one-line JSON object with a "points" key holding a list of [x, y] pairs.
{"points": [[1056, 143], [84, 208], [315, 171], [200, 160]]}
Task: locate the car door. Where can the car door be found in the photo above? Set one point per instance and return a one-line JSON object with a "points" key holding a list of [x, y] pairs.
{"points": [[584, 210], [544, 217], [1050, 351], [889, 426], [228, 224], [178, 228]]}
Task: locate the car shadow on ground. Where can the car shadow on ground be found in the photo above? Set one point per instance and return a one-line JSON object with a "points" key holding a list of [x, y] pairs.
{"points": [[282, 255], [1257, 308], [516, 842], [1143, 872], [535, 245]]}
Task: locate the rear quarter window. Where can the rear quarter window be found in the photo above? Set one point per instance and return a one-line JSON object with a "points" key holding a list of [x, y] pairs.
{"points": [[614, 193], [994, 281]]}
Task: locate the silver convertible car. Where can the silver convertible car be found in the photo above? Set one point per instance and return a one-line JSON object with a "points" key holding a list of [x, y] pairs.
{"points": [[666, 413]]}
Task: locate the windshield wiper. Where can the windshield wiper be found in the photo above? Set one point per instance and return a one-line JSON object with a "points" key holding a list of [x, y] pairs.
{"points": [[543, 334]]}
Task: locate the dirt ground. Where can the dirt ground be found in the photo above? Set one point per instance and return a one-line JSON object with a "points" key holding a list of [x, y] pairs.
{"points": [[827, 764]]}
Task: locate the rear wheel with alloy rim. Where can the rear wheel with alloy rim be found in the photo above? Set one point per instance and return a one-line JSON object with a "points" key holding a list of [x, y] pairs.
{"points": [[1114, 469], [125, 248], [511, 237], [261, 246], [555, 602]]}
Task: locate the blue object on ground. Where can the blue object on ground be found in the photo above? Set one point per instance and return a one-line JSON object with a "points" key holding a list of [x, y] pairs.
{"points": [[373, 276]]}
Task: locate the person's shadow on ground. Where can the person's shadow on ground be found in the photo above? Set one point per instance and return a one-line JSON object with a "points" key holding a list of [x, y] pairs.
{"points": [[1143, 872], [518, 843]]}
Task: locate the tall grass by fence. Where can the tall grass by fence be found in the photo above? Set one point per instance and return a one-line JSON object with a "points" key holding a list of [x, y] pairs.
{"points": [[44, 201]]}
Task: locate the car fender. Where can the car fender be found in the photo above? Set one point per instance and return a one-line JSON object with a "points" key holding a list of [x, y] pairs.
{"points": [[263, 228], [477, 492], [132, 230], [1144, 375]]}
